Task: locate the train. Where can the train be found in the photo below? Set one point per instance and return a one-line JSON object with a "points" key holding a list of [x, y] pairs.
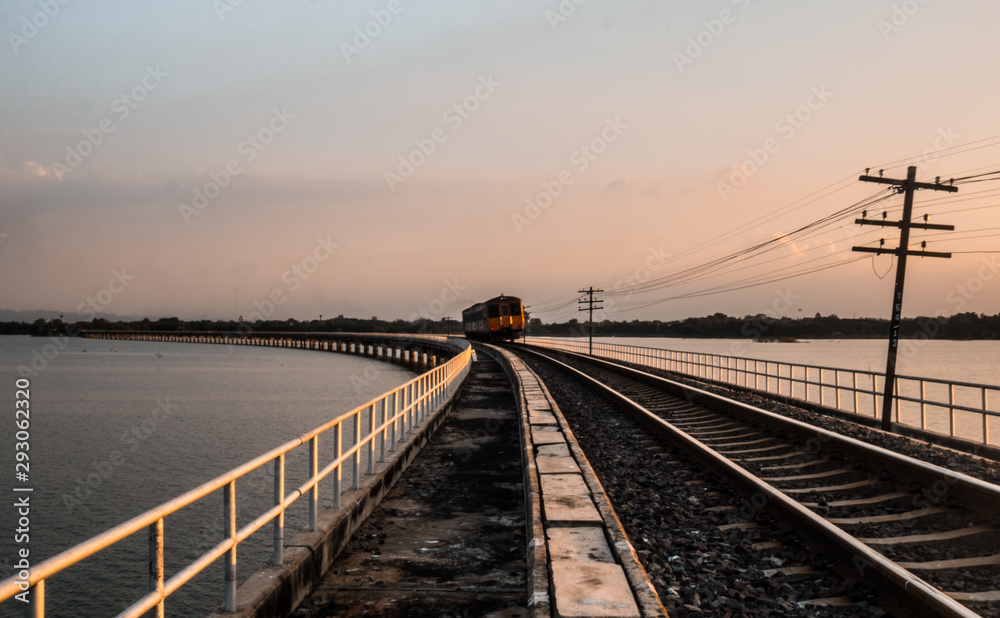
{"points": [[497, 319]]}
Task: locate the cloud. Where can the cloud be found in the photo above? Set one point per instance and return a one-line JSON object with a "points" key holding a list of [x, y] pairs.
{"points": [[30, 169]]}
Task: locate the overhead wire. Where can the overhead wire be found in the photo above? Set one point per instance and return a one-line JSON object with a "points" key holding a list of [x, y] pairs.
{"points": [[721, 265], [694, 273]]}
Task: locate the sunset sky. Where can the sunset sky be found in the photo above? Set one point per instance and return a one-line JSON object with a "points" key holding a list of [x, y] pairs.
{"points": [[401, 158]]}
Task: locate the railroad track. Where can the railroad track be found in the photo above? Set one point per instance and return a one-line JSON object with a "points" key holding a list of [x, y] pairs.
{"points": [[922, 537]]}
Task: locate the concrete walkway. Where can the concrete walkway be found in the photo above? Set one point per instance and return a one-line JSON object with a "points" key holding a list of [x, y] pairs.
{"points": [[449, 539]]}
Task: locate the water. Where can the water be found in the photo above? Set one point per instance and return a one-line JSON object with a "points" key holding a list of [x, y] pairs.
{"points": [[144, 422], [964, 361], [974, 362]]}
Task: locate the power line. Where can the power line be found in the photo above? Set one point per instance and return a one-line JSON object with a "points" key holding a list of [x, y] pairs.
{"points": [[946, 152], [736, 287], [722, 264], [699, 271]]}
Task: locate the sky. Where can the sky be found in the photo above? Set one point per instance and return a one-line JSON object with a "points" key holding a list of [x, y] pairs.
{"points": [[401, 159]]}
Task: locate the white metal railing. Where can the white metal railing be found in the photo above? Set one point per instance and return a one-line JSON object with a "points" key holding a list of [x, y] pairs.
{"points": [[958, 409], [388, 419]]}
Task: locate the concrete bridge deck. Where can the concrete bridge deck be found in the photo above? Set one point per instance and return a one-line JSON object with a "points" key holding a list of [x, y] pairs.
{"points": [[449, 539], [499, 515]]}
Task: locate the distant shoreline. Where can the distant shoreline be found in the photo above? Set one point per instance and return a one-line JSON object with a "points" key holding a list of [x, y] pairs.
{"points": [[761, 327]]}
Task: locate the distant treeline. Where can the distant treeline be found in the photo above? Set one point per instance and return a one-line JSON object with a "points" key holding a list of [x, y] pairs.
{"points": [[764, 327], [719, 325], [339, 324]]}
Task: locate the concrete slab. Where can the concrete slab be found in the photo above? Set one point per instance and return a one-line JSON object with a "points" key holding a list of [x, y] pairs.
{"points": [[542, 418], [553, 450], [546, 434], [579, 544], [555, 430], [564, 485], [570, 509], [591, 589], [556, 465]]}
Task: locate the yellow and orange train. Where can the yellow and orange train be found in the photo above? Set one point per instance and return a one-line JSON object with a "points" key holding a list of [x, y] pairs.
{"points": [[497, 319]]}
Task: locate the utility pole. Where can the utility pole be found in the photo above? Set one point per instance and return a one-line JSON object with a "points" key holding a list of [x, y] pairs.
{"points": [[907, 187], [590, 307]]}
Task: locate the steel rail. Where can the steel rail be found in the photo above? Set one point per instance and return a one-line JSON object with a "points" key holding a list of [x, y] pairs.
{"points": [[894, 585], [969, 489]]}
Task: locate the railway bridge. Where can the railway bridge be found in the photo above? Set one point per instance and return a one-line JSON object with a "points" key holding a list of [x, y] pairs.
{"points": [[520, 481]]}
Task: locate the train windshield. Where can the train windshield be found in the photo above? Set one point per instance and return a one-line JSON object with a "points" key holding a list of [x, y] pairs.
{"points": [[493, 311]]}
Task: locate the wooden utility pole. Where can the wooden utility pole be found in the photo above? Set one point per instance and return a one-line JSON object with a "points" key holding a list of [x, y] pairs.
{"points": [[590, 307], [907, 187]]}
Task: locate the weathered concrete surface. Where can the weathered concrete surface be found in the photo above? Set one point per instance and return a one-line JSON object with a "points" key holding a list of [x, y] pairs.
{"points": [[594, 570], [592, 589], [277, 590], [449, 539]]}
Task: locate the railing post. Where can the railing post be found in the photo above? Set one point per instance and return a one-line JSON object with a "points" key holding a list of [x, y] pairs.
{"points": [[155, 532], [951, 409], [381, 435], [425, 387], [923, 404], [36, 608], [874, 396], [854, 380], [418, 403], [836, 386], [899, 401], [371, 438], [338, 450], [986, 418], [314, 490], [229, 506], [395, 421], [279, 499], [355, 473], [410, 405]]}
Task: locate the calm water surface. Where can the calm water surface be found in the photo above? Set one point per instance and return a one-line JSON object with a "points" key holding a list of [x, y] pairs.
{"points": [[976, 362], [146, 421], [966, 361]]}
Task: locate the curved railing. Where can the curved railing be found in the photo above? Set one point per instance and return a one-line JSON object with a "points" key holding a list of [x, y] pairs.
{"points": [[387, 419], [925, 403], [406, 348]]}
